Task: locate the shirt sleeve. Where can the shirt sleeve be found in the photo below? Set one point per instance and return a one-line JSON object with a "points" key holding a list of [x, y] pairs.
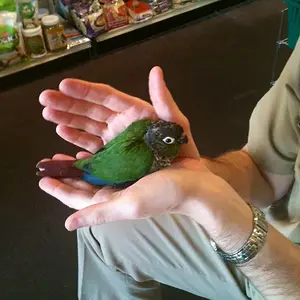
{"points": [[273, 140]]}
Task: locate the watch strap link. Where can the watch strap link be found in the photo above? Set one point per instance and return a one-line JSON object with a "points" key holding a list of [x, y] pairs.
{"points": [[254, 243]]}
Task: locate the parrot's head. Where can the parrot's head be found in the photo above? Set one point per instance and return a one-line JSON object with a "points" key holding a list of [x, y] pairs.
{"points": [[165, 138]]}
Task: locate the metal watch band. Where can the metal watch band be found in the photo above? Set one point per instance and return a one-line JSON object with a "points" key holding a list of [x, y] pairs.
{"points": [[254, 243]]}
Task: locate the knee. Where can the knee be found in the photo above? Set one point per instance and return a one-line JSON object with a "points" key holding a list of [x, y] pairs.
{"points": [[110, 242]]}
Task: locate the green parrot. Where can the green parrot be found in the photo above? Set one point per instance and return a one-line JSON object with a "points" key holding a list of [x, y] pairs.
{"points": [[142, 148]]}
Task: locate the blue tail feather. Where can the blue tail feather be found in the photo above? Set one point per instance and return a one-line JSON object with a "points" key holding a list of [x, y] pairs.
{"points": [[87, 177], [94, 180]]}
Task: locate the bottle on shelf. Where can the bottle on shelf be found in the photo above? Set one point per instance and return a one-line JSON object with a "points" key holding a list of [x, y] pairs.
{"points": [[54, 33], [34, 42]]}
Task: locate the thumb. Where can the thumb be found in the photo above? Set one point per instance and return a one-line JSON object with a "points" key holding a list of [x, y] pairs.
{"points": [[162, 100], [166, 109]]}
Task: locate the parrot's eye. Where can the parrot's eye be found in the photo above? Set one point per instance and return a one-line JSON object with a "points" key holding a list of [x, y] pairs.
{"points": [[169, 140]]}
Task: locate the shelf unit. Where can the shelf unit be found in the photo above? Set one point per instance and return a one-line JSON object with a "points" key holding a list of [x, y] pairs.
{"points": [[82, 43], [158, 18]]}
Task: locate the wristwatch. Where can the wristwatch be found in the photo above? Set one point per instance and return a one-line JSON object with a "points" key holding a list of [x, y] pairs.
{"points": [[254, 243]]}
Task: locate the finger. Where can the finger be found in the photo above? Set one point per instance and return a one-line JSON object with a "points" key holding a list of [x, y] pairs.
{"points": [[119, 123], [80, 185], [81, 139], [98, 93], [98, 214], [161, 97], [83, 155], [62, 157], [71, 120], [115, 208], [58, 101], [73, 198], [167, 109], [44, 159]]}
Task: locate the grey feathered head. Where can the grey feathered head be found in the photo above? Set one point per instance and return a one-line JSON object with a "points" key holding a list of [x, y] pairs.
{"points": [[165, 138]]}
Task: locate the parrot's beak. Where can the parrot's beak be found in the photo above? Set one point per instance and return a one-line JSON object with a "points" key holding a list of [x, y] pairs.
{"points": [[183, 140]]}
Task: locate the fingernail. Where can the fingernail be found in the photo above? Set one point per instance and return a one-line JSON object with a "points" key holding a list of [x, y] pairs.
{"points": [[71, 224], [43, 97], [62, 84]]}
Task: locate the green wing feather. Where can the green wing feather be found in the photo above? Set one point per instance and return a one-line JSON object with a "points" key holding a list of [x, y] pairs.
{"points": [[125, 158]]}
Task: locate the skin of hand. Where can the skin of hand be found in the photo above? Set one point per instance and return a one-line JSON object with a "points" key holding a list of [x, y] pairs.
{"points": [[89, 115]]}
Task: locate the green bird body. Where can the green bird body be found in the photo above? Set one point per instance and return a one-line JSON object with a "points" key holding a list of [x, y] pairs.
{"points": [[144, 147], [125, 158]]}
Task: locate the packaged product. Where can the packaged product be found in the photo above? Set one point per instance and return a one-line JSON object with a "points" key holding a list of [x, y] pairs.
{"points": [[54, 33], [28, 12], [11, 47], [160, 6], [34, 42], [178, 3], [88, 17], [139, 11], [115, 12], [62, 8]]}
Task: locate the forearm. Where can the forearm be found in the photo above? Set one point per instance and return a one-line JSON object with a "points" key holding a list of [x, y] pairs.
{"points": [[275, 271], [239, 170]]}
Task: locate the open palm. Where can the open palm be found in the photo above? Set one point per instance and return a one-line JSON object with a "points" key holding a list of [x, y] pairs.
{"points": [[89, 115]]}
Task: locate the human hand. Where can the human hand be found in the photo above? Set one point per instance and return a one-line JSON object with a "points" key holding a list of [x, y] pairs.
{"points": [[185, 188], [103, 112], [130, 203], [89, 114]]}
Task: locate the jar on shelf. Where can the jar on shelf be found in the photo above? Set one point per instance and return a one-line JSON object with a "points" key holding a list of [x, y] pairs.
{"points": [[54, 33], [34, 42]]}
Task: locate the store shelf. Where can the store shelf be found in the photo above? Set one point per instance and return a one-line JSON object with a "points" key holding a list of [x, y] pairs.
{"points": [[74, 46], [158, 18], [116, 38]]}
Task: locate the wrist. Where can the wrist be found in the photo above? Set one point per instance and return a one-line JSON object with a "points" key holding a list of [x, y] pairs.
{"points": [[226, 218], [233, 228], [252, 246]]}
